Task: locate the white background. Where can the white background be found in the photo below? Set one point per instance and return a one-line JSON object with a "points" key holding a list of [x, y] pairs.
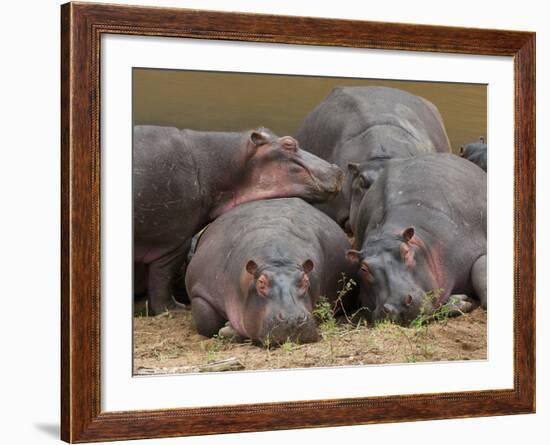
{"points": [[30, 219]]}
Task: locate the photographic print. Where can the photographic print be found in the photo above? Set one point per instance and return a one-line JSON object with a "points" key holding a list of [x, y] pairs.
{"points": [[285, 221], [289, 218]]}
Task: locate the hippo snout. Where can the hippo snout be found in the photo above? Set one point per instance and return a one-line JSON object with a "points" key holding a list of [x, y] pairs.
{"points": [[297, 327], [294, 320], [331, 183], [338, 178], [390, 310], [402, 311]]}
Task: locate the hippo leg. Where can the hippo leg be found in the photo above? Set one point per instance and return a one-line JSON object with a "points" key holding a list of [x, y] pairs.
{"points": [[207, 320], [162, 273], [479, 280], [460, 304], [178, 289]]}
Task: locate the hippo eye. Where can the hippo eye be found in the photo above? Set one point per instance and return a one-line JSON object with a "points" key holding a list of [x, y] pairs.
{"points": [[262, 285], [363, 183]]}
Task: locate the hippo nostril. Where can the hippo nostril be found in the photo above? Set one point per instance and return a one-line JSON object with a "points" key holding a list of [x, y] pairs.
{"points": [[280, 316]]}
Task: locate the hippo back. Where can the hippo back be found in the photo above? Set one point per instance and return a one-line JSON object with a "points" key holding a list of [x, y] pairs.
{"points": [[442, 193], [349, 112], [367, 126]]}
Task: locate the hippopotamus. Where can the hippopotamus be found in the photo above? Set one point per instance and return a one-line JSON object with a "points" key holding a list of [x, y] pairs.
{"points": [[476, 152], [259, 270], [360, 128], [421, 237], [183, 179]]}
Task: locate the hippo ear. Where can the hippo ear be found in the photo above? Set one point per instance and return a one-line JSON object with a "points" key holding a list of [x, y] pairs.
{"points": [[251, 267], [353, 168], [408, 233], [482, 139], [259, 137], [353, 256], [307, 266], [289, 143], [461, 152]]}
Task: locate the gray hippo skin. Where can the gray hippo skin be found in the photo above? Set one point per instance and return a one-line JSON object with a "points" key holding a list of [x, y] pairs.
{"points": [[421, 228], [183, 179], [262, 268], [179, 294], [476, 152], [361, 127]]}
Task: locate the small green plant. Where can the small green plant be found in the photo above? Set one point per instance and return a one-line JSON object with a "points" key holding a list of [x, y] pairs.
{"points": [[324, 313], [430, 311], [384, 324], [287, 347], [427, 314], [346, 286], [212, 348], [267, 345], [323, 310]]}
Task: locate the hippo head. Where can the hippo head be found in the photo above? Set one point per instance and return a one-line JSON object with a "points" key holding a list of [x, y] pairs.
{"points": [[359, 178], [397, 278], [468, 150], [276, 167], [279, 304]]}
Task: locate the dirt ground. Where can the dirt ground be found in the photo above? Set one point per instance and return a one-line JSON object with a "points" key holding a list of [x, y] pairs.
{"points": [[168, 344]]}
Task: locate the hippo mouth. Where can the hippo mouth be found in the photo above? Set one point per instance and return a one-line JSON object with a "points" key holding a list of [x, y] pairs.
{"points": [[324, 191], [305, 332]]}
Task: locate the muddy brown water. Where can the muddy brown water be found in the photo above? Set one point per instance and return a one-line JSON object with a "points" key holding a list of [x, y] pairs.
{"points": [[214, 101]]}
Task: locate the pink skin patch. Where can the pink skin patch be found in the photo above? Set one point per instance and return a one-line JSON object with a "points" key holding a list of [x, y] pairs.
{"points": [[235, 310], [271, 180], [435, 266], [407, 255], [254, 195]]}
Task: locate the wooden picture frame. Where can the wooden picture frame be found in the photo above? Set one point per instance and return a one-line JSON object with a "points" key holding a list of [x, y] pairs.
{"points": [[82, 26]]}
